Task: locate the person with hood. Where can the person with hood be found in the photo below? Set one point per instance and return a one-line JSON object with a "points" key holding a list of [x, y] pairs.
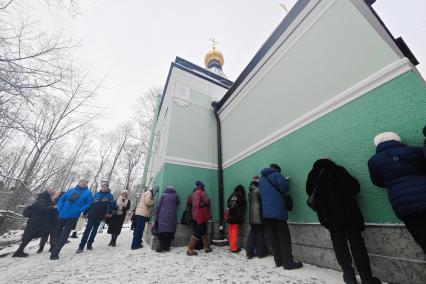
{"points": [[102, 205], [53, 220], [273, 185], [235, 211], [402, 170], [166, 218], [332, 193], [38, 224], [117, 219], [256, 236], [200, 204], [70, 206], [142, 214]]}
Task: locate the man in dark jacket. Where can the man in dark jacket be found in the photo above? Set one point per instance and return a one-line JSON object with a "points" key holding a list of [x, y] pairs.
{"points": [[53, 220], [236, 207], [256, 238], [38, 224], [272, 186], [402, 170], [333, 191], [70, 206], [102, 205]]}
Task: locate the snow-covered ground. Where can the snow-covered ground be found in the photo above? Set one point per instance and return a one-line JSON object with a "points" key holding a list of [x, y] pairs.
{"points": [[121, 265]]}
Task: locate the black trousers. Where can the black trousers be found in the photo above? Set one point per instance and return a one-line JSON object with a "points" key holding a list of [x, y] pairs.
{"points": [[281, 241], [256, 241], [416, 225], [199, 230], [62, 232], [165, 240], [340, 240]]}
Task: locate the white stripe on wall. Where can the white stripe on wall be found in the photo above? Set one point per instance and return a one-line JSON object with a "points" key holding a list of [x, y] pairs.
{"points": [[384, 75]]}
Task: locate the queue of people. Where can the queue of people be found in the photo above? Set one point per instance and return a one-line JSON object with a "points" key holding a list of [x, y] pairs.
{"points": [[331, 192]]}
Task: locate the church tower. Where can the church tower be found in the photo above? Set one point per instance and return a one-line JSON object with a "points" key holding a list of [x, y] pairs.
{"points": [[213, 60]]}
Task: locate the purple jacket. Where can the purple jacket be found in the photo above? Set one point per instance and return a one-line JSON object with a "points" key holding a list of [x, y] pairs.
{"points": [[166, 211]]}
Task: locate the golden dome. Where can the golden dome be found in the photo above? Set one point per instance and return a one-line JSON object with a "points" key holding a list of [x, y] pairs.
{"points": [[213, 54]]}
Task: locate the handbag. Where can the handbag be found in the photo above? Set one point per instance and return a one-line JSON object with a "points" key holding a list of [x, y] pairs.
{"points": [[186, 216], [288, 201], [154, 229], [311, 199]]}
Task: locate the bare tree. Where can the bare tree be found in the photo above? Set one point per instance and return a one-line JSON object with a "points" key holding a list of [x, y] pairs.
{"points": [[120, 137]]}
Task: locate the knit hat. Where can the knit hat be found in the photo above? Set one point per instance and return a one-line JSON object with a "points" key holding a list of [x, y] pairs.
{"points": [[255, 178], [199, 184], [386, 136]]}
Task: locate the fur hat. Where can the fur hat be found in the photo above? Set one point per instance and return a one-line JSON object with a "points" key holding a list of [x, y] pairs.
{"points": [[386, 136]]}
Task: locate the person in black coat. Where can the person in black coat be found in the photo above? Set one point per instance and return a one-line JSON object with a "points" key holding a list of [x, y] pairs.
{"points": [[117, 219], [236, 207], [334, 190], [53, 220], [402, 170], [38, 224]]}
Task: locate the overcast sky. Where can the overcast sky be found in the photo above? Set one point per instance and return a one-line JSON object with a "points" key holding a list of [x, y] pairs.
{"points": [[134, 41]]}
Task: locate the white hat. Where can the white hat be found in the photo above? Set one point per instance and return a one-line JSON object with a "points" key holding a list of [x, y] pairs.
{"points": [[386, 136]]}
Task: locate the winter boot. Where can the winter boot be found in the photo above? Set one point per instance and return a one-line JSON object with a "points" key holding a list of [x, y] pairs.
{"points": [[293, 265], [370, 280], [190, 251], [206, 245], [80, 250], [74, 235], [40, 249], [20, 253]]}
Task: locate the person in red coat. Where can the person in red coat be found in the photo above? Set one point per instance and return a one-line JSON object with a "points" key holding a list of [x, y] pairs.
{"points": [[200, 204]]}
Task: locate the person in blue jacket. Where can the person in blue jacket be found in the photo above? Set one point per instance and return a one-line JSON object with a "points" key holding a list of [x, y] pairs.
{"points": [[402, 170], [102, 205], [70, 206], [273, 185]]}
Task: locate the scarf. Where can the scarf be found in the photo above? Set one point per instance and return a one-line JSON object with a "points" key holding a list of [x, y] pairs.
{"points": [[121, 203]]}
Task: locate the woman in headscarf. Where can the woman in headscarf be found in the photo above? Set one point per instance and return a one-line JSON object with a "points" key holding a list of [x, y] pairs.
{"points": [[116, 223], [166, 218]]}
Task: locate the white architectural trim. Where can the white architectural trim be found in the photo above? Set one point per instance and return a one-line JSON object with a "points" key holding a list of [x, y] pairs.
{"points": [[274, 55], [191, 163], [377, 79], [186, 102]]}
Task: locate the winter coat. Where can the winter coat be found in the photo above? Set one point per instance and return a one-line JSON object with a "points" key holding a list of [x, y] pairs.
{"points": [[335, 201], [236, 206], [255, 204], [200, 204], [402, 170], [102, 204], [166, 214], [72, 209], [145, 204], [39, 224], [116, 221], [273, 206]]}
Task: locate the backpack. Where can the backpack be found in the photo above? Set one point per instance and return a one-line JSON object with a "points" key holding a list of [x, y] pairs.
{"points": [[28, 211]]}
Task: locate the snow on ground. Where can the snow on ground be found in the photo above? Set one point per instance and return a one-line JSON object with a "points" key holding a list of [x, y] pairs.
{"points": [[120, 265]]}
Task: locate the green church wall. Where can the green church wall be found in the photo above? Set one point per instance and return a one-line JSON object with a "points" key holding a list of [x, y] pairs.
{"points": [[346, 136]]}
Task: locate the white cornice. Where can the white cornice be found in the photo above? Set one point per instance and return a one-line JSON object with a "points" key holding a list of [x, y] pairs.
{"points": [[377, 79], [191, 163]]}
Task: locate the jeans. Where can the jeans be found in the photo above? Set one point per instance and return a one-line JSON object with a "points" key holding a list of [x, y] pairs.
{"points": [[138, 232], [62, 232], [256, 241], [92, 230], [281, 241]]}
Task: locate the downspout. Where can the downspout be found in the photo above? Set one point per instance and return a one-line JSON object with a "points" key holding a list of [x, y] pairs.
{"points": [[220, 238]]}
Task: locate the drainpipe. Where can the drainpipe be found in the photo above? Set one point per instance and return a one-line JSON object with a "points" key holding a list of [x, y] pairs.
{"points": [[220, 238]]}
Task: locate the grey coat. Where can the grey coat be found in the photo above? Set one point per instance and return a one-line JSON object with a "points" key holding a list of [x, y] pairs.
{"points": [[255, 204]]}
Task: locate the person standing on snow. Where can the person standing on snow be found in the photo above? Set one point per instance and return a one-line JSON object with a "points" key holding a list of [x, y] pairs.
{"points": [[53, 220], [142, 214], [117, 219], [38, 224], [235, 211], [201, 214], [166, 218], [70, 206], [273, 185], [332, 191], [402, 170], [102, 205]]}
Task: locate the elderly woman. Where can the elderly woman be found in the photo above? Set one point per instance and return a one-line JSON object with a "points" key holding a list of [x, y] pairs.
{"points": [[402, 170], [122, 204], [166, 215]]}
